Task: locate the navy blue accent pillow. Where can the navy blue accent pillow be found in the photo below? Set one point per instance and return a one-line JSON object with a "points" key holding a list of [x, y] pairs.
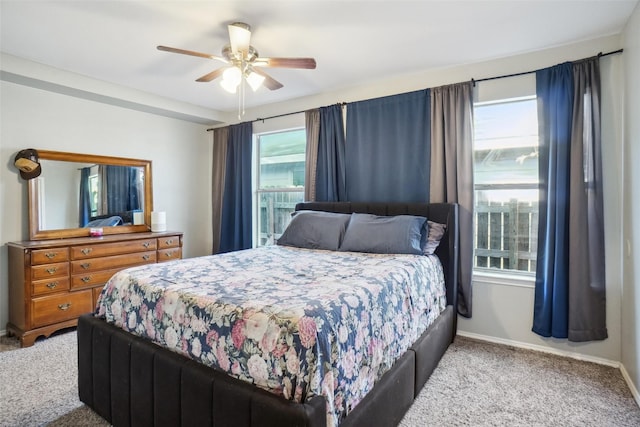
{"points": [[401, 234], [315, 230]]}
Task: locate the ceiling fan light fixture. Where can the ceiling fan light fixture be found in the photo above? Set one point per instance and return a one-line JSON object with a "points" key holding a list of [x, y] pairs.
{"points": [[240, 36], [228, 86], [255, 80], [231, 79], [233, 75]]}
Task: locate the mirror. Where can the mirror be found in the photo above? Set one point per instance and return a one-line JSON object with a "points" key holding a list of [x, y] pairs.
{"points": [[116, 195]]}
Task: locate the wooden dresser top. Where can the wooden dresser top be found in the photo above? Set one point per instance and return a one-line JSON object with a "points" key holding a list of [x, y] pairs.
{"points": [[41, 244]]}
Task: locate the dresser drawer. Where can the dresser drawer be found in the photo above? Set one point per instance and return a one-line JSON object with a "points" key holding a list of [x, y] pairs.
{"points": [[168, 242], [89, 280], [169, 254], [58, 308], [112, 262], [47, 256], [106, 249], [48, 271], [47, 286]]}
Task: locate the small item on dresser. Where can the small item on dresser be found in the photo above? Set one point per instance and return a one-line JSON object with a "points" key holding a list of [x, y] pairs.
{"points": [[138, 217], [158, 221], [95, 232]]}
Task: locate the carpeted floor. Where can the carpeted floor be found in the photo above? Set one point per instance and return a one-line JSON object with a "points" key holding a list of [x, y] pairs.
{"points": [[476, 384]]}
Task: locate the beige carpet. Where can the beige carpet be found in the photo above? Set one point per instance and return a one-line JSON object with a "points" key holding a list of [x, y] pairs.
{"points": [[476, 384]]}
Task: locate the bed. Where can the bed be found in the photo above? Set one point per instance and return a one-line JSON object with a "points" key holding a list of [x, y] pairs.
{"points": [[130, 380]]}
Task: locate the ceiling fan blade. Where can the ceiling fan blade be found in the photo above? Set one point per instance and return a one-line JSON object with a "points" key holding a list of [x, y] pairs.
{"points": [[239, 36], [191, 53], [307, 63], [212, 75], [269, 82]]}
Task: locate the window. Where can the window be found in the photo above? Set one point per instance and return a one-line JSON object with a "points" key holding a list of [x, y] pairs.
{"points": [[506, 185], [94, 191], [280, 181]]}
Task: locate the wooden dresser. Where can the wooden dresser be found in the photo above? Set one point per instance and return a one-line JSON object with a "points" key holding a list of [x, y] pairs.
{"points": [[53, 282]]}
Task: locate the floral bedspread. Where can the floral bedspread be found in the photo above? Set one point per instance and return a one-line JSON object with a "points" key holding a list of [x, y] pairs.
{"points": [[296, 322]]}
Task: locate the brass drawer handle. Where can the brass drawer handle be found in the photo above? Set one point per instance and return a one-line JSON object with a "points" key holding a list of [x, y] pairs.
{"points": [[146, 245], [65, 306], [168, 254], [51, 255], [168, 242], [85, 265], [145, 257], [86, 251], [52, 285], [86, 279], [51, 270]]}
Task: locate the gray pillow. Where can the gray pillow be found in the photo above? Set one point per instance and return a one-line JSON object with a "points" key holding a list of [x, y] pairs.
{"points": [[400, 234], [315, 230], [436, 231]]}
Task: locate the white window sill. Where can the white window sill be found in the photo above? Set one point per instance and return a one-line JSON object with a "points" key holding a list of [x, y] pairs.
{"points": [[487, 277]]}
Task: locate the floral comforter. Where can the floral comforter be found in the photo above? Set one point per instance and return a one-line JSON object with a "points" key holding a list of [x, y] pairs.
{"points": [[296, 322]]}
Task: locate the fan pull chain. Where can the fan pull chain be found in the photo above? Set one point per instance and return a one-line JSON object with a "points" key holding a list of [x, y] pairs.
{"points": [[241, 99], [242, 87]]}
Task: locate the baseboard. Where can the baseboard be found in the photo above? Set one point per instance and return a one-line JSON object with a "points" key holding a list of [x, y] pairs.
{"points": [[630, 384], [543, 349], [3, 333]]}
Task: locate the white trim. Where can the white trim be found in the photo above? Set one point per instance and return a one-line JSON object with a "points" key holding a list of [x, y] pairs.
{"points": [[542, 349], [506, 100], [630, 384], [255, 177], [3, 333], [504, 279]]}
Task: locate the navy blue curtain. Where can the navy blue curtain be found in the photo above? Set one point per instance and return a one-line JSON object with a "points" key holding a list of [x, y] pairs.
{"points": [[570, 290], [84, 214], [122, 189], [388, 148], [134, 188], [330, 167], [236, 224], [554, 88]]}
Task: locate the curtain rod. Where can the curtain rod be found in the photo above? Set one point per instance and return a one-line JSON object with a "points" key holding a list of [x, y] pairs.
{"points": [[262, 119], [474, 81], [279, 115], [270, 117]]}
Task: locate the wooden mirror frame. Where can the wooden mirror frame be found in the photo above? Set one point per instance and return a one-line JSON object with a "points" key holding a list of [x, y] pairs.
{"points": [[35, 233]]}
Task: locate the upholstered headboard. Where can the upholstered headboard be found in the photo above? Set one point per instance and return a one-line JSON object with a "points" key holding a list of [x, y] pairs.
{"points": [[444, 213]]}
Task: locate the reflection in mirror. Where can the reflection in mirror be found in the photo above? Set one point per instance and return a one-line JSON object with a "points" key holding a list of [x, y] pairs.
{"points": [[89, 195], [76, 192], [109, 195]]}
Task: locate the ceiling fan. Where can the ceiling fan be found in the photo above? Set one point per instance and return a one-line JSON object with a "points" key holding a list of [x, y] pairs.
{"points": [[243, 62]]}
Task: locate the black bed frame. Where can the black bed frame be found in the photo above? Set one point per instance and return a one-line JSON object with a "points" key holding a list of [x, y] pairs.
{"points": [[130, 381]]}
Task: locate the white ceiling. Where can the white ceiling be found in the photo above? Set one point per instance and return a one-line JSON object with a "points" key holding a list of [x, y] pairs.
{"points": [[353, 42]]}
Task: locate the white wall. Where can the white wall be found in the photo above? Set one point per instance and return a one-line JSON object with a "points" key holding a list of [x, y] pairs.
{"points": [[631, 197], [180, 152]]}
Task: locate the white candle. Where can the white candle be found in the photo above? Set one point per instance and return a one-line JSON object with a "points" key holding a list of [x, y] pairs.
{"points": [[158, 221]]}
